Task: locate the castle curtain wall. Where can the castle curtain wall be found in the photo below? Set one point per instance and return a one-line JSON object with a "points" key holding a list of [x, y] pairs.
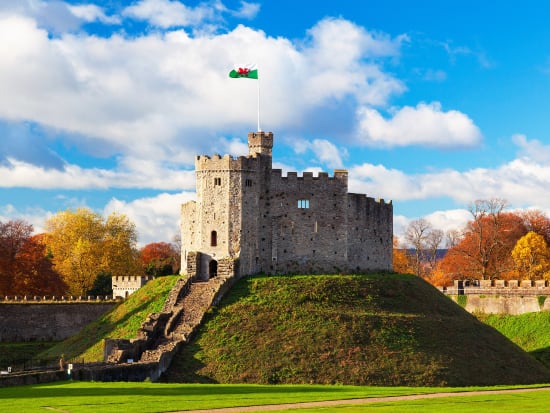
{"points": [[275, 224]]}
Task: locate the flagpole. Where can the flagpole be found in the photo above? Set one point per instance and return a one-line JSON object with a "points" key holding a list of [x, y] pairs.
{"points": [[259, 128]]}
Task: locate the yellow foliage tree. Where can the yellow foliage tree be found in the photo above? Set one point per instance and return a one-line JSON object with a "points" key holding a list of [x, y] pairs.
{"points": [[532, 256], [82, 245]]}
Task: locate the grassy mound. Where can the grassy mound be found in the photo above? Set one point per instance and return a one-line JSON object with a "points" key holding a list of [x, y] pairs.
{"points": [[351, 329], [121, 322], [529, 331]]}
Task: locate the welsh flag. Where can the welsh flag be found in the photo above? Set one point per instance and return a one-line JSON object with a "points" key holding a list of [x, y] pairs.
{"points": [[248, 71]]}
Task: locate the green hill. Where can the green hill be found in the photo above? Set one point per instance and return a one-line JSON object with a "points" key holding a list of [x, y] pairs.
{"points": [[530, 331], [121, 322], [351, 329]]}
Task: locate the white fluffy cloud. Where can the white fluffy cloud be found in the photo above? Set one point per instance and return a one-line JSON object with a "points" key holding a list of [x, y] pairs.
{"points": [[521, 182], [532, 149], [154, 94], [156, 218], [131, 174], [326, 152], [425, 124], [92, 13]]}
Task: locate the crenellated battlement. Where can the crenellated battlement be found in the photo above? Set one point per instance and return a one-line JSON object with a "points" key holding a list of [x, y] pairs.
{"points": [[249, 212], [45, 299], [218, 163], [125, 285], [309, 176]]}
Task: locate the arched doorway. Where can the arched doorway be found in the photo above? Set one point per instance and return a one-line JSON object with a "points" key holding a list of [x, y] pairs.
{"points": [[212, 268]]}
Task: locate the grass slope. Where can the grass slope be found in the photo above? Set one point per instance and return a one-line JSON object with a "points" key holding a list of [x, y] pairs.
{"points": [[350, 329], [530, 331], [121, 322]]}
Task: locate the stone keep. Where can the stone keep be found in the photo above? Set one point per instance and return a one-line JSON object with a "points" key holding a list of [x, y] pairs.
{"points": [[249, 219]]}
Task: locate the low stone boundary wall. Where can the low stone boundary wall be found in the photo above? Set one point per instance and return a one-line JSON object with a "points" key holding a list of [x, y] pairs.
{"points": [[55, 321], [36, 377], [498, 287], [54, 299]]}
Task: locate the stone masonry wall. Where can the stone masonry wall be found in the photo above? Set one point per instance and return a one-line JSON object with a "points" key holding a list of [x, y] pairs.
{"points": [[47, 322], [274, 224]]}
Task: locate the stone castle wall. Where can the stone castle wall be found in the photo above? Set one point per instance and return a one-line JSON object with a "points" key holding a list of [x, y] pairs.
{"points": [[501, 296], [47, 322], [274, 224]]}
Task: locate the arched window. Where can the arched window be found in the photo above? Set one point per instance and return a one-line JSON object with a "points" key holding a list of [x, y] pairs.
{"points": [[213, 239]]}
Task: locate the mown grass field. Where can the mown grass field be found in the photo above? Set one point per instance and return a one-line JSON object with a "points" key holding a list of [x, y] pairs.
{"points": [[79, 397]]}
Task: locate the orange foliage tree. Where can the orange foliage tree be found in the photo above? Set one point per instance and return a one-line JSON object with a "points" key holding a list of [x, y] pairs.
{"points": [[401, 260], [160, 258], [485, 247], [35, 274], [25, 268]]}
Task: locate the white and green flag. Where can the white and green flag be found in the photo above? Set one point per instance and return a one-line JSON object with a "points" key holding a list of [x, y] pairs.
{"points": [[248, 71]]}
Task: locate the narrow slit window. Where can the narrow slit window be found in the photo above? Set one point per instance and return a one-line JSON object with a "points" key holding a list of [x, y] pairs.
{"points": [[303, 203], [217, 181], [213, 239]]}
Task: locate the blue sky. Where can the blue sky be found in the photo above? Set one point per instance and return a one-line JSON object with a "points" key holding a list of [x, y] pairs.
{"points": [[432, 104]]}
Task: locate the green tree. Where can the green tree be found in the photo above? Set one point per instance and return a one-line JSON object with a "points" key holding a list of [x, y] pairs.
{"points": [[532, 256], [83, 245]]}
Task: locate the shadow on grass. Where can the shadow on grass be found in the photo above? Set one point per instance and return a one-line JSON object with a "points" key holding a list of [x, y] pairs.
{"points": [[80, 389], [543, 356]]}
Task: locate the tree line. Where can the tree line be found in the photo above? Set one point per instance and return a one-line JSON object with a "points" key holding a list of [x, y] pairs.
{"points": [[494, 244], [77, 254]]}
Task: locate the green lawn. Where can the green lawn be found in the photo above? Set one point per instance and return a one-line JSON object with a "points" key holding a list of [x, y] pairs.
{"points": [[83, 397]]}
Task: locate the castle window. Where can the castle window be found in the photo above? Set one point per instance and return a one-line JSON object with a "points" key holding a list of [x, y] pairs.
{"points": [[213, 239], [248, 182], [303, 203], [217, 181]]}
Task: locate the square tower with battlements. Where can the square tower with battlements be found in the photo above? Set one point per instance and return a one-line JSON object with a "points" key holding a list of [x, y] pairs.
{"points": [[249, 219]]}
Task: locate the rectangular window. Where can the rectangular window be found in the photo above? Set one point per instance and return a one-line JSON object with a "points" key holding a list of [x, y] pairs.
{"points": [[303, 203], [248, 182], [217, 181]]}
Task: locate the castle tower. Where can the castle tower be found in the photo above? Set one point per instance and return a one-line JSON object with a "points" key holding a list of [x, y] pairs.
{"points": [[260, 142], [224, 222], [248, 219]]}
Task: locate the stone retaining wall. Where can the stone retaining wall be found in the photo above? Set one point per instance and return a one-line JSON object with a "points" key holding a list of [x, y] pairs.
{"points": [[54, 321]]}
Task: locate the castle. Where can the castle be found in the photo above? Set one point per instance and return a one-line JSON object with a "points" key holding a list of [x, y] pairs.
{"points": [[249, 219]]}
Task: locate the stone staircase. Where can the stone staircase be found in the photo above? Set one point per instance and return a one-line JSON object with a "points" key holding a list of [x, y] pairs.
{"points": [[163, 333]]}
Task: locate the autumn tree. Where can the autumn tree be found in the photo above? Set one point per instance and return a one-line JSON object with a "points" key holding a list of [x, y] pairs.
{"points": [[35, 274], [160, 258], [532, 257], [400, 260], [425, 241], [536, 221], [13, 234], [83, 245], [484, 250]]}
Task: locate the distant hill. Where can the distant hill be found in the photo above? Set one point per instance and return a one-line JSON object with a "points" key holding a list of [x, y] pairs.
{"points": [[383, 329]]}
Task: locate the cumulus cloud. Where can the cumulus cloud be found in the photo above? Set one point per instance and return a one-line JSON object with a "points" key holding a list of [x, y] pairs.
{"points": [[532, 149], [326, 152], [155, 94], [131, 174], [425, 124], [167, 13], [156, 218], [92, 13], [522, 182]]}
